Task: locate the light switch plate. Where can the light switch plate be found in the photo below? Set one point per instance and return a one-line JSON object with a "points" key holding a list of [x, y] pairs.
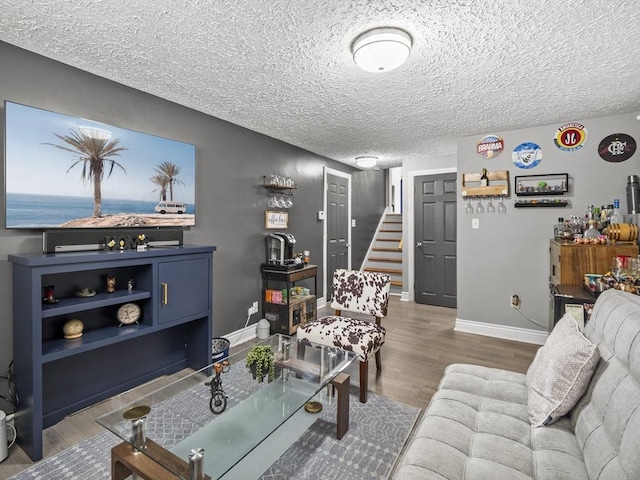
{"points": [[353, 223], [320, 214], [475, 223]]}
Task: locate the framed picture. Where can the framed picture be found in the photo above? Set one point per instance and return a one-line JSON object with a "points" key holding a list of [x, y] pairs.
{"points": [[276, 220]]}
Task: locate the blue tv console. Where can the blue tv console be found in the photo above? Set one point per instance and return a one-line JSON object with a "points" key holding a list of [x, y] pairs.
{"points": [[57, 376]]}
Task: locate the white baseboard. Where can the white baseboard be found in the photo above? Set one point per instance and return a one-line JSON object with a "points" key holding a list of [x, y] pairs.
{"points": [[250, 332], [404, 296], [322, 302], [525, 335], [242, 335]]}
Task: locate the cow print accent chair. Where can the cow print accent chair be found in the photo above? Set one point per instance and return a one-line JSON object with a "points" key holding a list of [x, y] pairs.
{"points": [[363, 293]]}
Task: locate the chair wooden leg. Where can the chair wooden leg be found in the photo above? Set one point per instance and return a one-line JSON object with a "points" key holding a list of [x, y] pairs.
{"points": [[378, 360], [364, 381]]}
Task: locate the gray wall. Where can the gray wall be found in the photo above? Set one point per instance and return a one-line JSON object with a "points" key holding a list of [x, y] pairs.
{"points": [[510, 253], [230, 199]]}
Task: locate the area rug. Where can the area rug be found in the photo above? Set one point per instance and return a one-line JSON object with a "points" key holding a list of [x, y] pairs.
{"points": [[377, 432]]}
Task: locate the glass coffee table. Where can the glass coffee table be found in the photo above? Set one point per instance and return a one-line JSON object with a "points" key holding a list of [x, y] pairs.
{"points": [[221, 422]]}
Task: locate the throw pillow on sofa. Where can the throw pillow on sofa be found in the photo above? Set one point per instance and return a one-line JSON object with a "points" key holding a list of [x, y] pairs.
{"points": [[560, 373]]}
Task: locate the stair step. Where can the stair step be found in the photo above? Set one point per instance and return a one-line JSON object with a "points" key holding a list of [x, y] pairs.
{"points": [[385, 259], [390, 271], [396, 283], [387, 239], [389, 231], [382, 249]]}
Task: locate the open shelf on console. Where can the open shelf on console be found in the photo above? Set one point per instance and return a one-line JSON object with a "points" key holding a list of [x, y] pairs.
{"points": [[69, 305]]}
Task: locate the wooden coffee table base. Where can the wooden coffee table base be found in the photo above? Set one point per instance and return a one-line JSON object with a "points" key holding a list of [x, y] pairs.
{"points": [[341, 384], [125, 460]]}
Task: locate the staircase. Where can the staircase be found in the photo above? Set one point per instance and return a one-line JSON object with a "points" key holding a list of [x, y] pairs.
{"points": [[385, 256]]}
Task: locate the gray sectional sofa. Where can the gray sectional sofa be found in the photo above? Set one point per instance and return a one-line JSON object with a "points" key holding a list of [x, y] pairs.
{"points": [[477, 425]]}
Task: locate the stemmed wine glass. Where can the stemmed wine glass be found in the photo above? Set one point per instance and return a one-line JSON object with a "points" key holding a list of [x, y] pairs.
{"points": [[469, 208], [490, 208], [479, 207], [502, 209]]}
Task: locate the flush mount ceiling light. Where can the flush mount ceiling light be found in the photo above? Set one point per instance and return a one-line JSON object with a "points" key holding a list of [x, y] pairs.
{"points": [[381, 49], [366, 161]]}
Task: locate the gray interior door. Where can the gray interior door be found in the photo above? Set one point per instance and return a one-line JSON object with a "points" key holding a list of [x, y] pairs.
{"points": [[337, 219], [435, 239]]}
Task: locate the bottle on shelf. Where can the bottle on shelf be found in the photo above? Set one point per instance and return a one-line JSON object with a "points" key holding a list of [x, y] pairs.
{"points": [[605, 216], [567, 231], [616, 216], [558, 228], [484, 179], [592, 232], [596, 217]]}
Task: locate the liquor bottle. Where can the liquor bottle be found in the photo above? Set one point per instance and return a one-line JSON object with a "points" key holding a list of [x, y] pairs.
{"points": [[558, 228], [591, 232], [605, 213], [616, 216], [567, 231], [484, 179]]}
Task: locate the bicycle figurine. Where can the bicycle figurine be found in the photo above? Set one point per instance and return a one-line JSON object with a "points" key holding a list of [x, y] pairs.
{"points": [[218, 402]]}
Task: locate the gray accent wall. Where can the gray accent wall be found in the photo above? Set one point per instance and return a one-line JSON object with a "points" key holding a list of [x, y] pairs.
{"points": [[231, 201], [510, 253]]}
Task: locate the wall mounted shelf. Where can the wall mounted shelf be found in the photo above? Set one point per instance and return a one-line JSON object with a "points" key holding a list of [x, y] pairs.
{"points": [[534, 203], [498, 184], [538, 185]]}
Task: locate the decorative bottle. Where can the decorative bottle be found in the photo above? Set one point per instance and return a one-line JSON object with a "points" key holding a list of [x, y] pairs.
{"points": [[484, 179], [558, 228], [616, 216], [592, 233], [567, 231]]}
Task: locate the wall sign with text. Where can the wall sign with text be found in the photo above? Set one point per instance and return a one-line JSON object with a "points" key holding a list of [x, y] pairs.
{"points": [[490, 146], [570, 136], [276, 220]]}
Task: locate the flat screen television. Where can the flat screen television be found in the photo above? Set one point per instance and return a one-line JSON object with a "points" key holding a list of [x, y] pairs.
{"points": [[67, 172]]}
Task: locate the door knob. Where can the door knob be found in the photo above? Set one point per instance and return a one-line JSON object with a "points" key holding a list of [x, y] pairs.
{"points": [[418, 244]]}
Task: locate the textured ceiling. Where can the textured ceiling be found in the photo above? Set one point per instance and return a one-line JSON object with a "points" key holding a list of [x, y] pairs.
{"points": [[284, 68]]}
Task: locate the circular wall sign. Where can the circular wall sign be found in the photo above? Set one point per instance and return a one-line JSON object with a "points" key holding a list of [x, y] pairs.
{"points": [[526, 155], [617, 147], [490, 146], [570, 136]]}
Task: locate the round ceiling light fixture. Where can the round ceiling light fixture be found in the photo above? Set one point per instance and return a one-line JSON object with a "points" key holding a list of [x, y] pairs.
{"points": [[381, 49], [366, 161]]}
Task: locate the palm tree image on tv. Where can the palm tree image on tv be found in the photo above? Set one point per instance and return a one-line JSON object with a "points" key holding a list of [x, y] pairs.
{"points": [[62, 171], [161, 181], [95, 150], [169, 171]]}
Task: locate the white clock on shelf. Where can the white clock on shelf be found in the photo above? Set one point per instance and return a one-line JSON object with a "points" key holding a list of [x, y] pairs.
{"points": [[129, 313]]}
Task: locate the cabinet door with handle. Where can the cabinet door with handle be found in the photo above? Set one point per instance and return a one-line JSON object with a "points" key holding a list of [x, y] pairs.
{"points": [[184, 288]]}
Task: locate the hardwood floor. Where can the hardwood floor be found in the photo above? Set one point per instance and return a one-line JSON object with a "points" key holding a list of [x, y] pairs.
{"points": [[420, 343]]}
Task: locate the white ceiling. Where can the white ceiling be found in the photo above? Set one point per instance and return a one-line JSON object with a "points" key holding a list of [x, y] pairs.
{"points": [[284, 67]]}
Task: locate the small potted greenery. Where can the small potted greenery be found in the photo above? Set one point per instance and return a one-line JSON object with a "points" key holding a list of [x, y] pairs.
{"points": [[261, 361]]}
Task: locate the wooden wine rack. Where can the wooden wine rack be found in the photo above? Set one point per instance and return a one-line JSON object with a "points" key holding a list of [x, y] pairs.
{"points": [[498, 184]]}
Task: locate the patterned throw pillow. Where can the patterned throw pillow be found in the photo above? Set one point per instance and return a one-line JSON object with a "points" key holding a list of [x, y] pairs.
{"points": [[560, 373]]}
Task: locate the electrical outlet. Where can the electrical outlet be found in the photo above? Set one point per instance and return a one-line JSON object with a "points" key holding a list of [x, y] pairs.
{"points": [[253, 309], [515, 301]]}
